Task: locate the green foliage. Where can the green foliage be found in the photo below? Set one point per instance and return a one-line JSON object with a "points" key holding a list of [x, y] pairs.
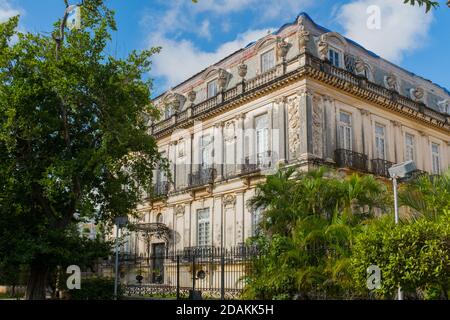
{"points": [[428, 3], [414, 255], [309, 224], [74, 140], [427, 195], [95, 288]]}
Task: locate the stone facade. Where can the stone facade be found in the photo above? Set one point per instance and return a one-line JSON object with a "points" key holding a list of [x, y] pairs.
{"points": [[354, 111]]}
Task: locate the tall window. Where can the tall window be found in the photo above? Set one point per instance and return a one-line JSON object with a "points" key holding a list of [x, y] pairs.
{"points": [[410, 153], [256, 220], [267, 60], [159, 218], [436, 158], [203, 237], [334, 56], [262, 140], [380, 143], [212, 88], [345, 130], [206, 146]]}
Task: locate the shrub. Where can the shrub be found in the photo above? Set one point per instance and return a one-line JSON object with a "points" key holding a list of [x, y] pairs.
{"points": [[95, 288]]}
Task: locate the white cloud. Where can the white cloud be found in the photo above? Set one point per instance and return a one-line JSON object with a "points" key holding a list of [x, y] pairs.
{"points": [[7, 11], [176, 26], [204, 30], [180, 60], [403, 28]]}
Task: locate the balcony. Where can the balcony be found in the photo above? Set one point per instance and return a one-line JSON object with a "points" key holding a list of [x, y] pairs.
{"points": [[380, 167], [314, 68], [349, 159], [160, 189], [264, 160], [203, 175]]}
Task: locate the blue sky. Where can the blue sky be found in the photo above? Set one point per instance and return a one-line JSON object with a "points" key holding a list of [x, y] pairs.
{"points": [[194, 36]]}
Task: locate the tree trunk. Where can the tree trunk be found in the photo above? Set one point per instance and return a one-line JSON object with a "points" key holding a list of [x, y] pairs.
{"points": [[37, 282]]}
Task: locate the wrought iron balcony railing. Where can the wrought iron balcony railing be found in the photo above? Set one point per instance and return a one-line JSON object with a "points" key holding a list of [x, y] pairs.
{"points": [[160, 189], [264, 160], [203, 175], [380, 167], [349, 159]]}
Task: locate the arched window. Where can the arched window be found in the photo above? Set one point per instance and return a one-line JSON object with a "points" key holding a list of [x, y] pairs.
{"points": [[159, 218]]}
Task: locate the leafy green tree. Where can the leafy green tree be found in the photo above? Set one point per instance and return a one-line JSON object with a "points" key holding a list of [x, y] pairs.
{"points": [[74, 140], [414, 255], [308, 228]]}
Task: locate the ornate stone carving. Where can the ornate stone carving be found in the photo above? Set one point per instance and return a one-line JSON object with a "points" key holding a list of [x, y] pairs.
{"points": [[390, 82], [360, 67], [242, 70], [365, 112], [417, 94], [283, 48], [303, 36], [229, 133], [222, 80], [181, 148], [229, 200], [396, 123], [322, 48], [317, 127], [179, 210], [191, 96], [444, 106], [293, 125]]}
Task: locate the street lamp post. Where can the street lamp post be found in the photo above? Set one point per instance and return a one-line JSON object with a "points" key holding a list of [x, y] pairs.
{"points": [[120, 222], [397, 171]]}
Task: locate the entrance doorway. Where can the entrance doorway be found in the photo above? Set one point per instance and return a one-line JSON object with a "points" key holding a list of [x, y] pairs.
{"points": [[159, 250]]}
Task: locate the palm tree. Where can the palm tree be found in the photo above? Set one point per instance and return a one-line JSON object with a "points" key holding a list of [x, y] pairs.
{"points": [[309, 222], [427, 196]]}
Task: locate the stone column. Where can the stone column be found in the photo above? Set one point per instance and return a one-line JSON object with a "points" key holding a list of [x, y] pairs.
{"points": [[397, 141], [279, 130], [330, 128], [317, 127], [366, 135], [306, 131], [423, 151], [239, 231], [240, 140], [270, 122], [218, 150], [173, 161], [217, 221]]}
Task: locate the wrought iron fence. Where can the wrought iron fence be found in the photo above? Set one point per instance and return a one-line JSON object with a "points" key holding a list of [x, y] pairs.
{"points": [[194, 272]]}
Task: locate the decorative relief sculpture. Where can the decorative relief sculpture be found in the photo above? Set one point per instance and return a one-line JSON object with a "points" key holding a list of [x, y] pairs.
{"points": [[181, 148], [179, 210], [283, 48], [444, 106], [242, 70], [229, 134], [417, 94], [317, 125], [191, 96], [229, 200], [303, 36], [222, 80], [293, 124], [390, 82], [322, 48]]}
